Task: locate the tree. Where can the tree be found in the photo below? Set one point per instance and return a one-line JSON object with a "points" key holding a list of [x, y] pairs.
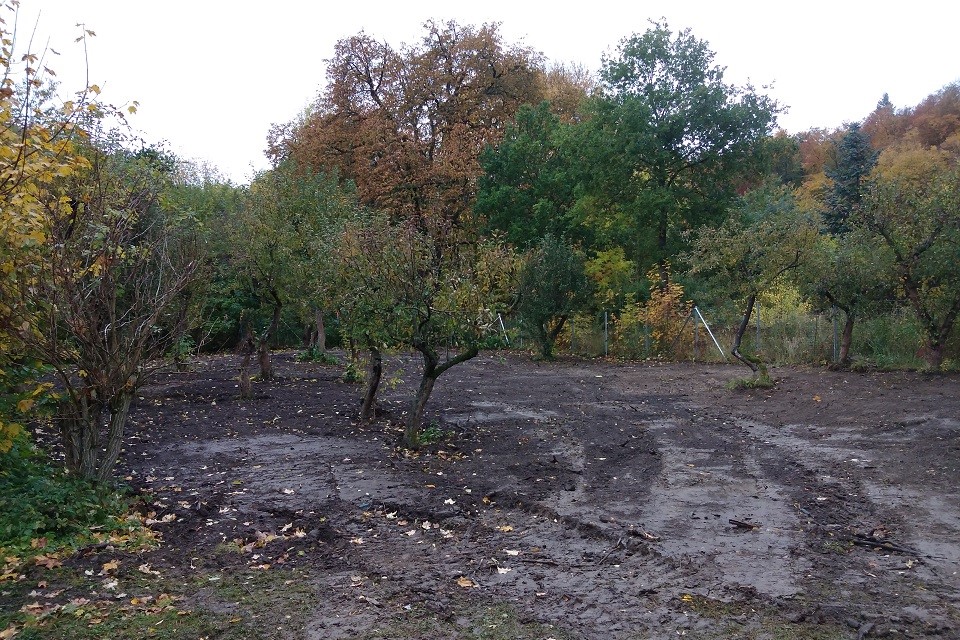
{"points": [[528, 184], [666, 136], [851, 273], [362, 264], [764, 238], [452, 293], [914, 210], [855, 159], [407, 126], [553, 285], [102, 304], [274, 239], [38, 148]]}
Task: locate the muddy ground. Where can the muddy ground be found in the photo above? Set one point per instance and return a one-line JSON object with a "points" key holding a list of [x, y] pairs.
{"points": [[575, 499]]}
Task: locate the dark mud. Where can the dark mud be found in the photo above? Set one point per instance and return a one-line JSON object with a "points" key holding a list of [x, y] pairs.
{"points": [[594, 497]]}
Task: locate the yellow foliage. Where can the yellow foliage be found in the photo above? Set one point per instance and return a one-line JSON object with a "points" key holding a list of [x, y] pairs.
{"points": [[663, 314], [36, 150]]}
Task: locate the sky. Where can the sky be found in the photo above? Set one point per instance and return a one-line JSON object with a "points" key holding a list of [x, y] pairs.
{"points": [[212, 76]]}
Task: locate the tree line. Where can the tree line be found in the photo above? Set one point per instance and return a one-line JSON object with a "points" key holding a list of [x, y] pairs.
{"points": [[435, 189]]}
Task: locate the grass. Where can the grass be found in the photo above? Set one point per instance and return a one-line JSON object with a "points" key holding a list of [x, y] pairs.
{"points": [[68, 603], [762, 381], [491, 622]]}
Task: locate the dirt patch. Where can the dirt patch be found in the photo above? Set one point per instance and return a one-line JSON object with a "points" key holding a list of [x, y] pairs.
{"points": [[592, 497]]}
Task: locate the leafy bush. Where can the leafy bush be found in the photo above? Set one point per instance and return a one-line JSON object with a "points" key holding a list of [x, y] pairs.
{"points": [[39, 501], [315, 355]]}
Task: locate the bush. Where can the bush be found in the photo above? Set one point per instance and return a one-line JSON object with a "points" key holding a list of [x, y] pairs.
{"points": [[39, 501]]}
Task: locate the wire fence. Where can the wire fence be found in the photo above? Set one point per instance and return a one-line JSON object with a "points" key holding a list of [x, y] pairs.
{"points": [[891, 340]]}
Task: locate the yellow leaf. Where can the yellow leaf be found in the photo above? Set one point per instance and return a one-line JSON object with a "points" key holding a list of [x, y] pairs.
{"points": [[465, 582], [25, 405], [110, 566]]}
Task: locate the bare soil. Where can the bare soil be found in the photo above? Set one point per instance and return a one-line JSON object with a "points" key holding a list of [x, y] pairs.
{"points": [[586, 499]]}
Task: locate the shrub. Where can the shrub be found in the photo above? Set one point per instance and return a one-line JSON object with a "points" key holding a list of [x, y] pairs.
{"points": [[39, 501]]}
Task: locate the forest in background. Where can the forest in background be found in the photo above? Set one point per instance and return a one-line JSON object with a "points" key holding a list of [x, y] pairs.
{"points": [[459, 194]]}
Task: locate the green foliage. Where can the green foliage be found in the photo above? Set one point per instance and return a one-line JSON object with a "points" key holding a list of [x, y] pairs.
{"points": [[217, 300], [914, 211], [766, 236], [276, 247], [855, 159], [40, 501], [432, 434], [528, 181], [665, 139], [553, 286], [20, 395], [353, 371], [315, 355]]}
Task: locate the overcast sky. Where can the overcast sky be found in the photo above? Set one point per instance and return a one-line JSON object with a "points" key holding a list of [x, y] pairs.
{"points": [[211, 76]]}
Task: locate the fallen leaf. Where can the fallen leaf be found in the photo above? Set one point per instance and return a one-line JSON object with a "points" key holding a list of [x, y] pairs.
{"points": [[50, 562], [110, 566], [145, 568], [9, 632], [504, 528], [502, 570], [465, 582], [511, 552]]}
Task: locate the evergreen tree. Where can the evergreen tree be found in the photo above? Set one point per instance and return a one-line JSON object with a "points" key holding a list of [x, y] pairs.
{"points": [[855, 160]]}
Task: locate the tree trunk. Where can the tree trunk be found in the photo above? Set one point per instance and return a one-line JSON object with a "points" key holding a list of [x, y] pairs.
{"points": [[738, 338], [432, 369], [119, 410], [411, 435], [321, 344], [846, 339], [550, 338], [933, 353], [79, 423], [374, 372], [246, 350], [263, 348]]}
